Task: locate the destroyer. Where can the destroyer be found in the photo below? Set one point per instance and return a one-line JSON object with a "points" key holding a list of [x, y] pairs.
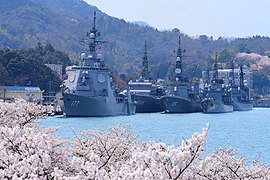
{"points": [[218, 98], [88, 90], [146, 91], [181, 96], [241, 93]]}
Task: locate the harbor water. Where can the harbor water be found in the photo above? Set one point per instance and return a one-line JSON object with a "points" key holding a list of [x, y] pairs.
{"points": [[247, 132]]}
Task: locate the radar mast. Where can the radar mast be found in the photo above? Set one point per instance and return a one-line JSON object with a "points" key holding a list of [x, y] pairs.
{"points": [[145, 63], [215, 75], [232, 74], [178, 65], [94, 46], [242, 85]]}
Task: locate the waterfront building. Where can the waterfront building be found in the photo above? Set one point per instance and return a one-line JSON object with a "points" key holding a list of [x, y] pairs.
{"points": [[28, 93]]}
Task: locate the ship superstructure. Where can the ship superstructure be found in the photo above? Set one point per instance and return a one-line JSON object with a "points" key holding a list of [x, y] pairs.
{"points": [[88, 89], [146, 91], [240, 94], [218, 97], [181, 96]]}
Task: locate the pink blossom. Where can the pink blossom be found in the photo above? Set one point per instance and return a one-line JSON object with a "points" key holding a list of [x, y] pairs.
{"points": [[28, 152]]}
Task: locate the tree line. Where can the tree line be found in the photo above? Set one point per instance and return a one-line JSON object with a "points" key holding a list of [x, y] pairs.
{"points": [[26, 67]]}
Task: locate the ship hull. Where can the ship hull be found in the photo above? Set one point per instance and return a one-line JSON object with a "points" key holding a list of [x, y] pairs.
{"points": [[242, 106], [80, 106], [147, 104], [176, 104], [211, 106]]}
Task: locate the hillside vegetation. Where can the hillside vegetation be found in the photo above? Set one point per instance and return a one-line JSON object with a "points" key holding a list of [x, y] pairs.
{"points": [[26, 67], [63, 23]]}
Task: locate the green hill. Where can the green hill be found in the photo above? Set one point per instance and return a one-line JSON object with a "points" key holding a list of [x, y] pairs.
{"points": [[63, 23], [27, 67]]}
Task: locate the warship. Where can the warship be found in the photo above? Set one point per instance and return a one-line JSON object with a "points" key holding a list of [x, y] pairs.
{"points": [[180, 96], [217, 97], [88, 89], [241, 93], [146, 91]]}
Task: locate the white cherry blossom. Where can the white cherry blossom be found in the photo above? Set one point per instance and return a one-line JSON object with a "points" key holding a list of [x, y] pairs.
{"points": [[30, 152]]}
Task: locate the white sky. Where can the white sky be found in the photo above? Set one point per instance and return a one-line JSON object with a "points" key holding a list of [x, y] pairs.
{"points": [[226, 18]]}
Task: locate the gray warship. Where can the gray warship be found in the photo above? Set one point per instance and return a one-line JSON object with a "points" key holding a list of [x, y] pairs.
{"points": [[88, 90], [180, 96], [217, 97], [241, 93], [146, 91]]}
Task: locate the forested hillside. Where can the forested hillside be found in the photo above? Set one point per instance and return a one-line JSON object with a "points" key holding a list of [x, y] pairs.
{"points": [[26, 67], [63, 23]]}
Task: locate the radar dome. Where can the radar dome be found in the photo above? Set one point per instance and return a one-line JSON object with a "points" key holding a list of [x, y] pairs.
{"points": [[83, 56], [178, 59], [92, 35], [99, 56], [177, 70]]}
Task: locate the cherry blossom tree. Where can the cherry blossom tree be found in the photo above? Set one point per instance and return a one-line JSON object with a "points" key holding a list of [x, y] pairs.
{"points": [[19, 113], [223, 164], [96, 152], [157, 161], [30, 152], [27, 152]]}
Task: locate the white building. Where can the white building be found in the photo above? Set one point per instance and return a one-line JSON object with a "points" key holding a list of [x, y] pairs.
{"points": [[29, 93]]}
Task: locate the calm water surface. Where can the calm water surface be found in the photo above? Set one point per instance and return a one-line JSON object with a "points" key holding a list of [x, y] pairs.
{"points": [[247, 132]]}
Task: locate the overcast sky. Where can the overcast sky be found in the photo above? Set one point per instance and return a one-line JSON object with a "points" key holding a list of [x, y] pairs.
{"points": [[226, 18]]}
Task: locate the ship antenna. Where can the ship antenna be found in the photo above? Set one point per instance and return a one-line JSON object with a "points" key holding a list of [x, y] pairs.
{"points": [[215, 76], [179, 50], [145, 48], [93, 34], [178, 65], [241, 78], [94, 21], [232, 80], [145, 70]]}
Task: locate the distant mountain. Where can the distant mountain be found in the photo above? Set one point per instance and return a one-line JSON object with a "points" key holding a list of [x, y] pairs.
{"points": [[63, 23]]}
